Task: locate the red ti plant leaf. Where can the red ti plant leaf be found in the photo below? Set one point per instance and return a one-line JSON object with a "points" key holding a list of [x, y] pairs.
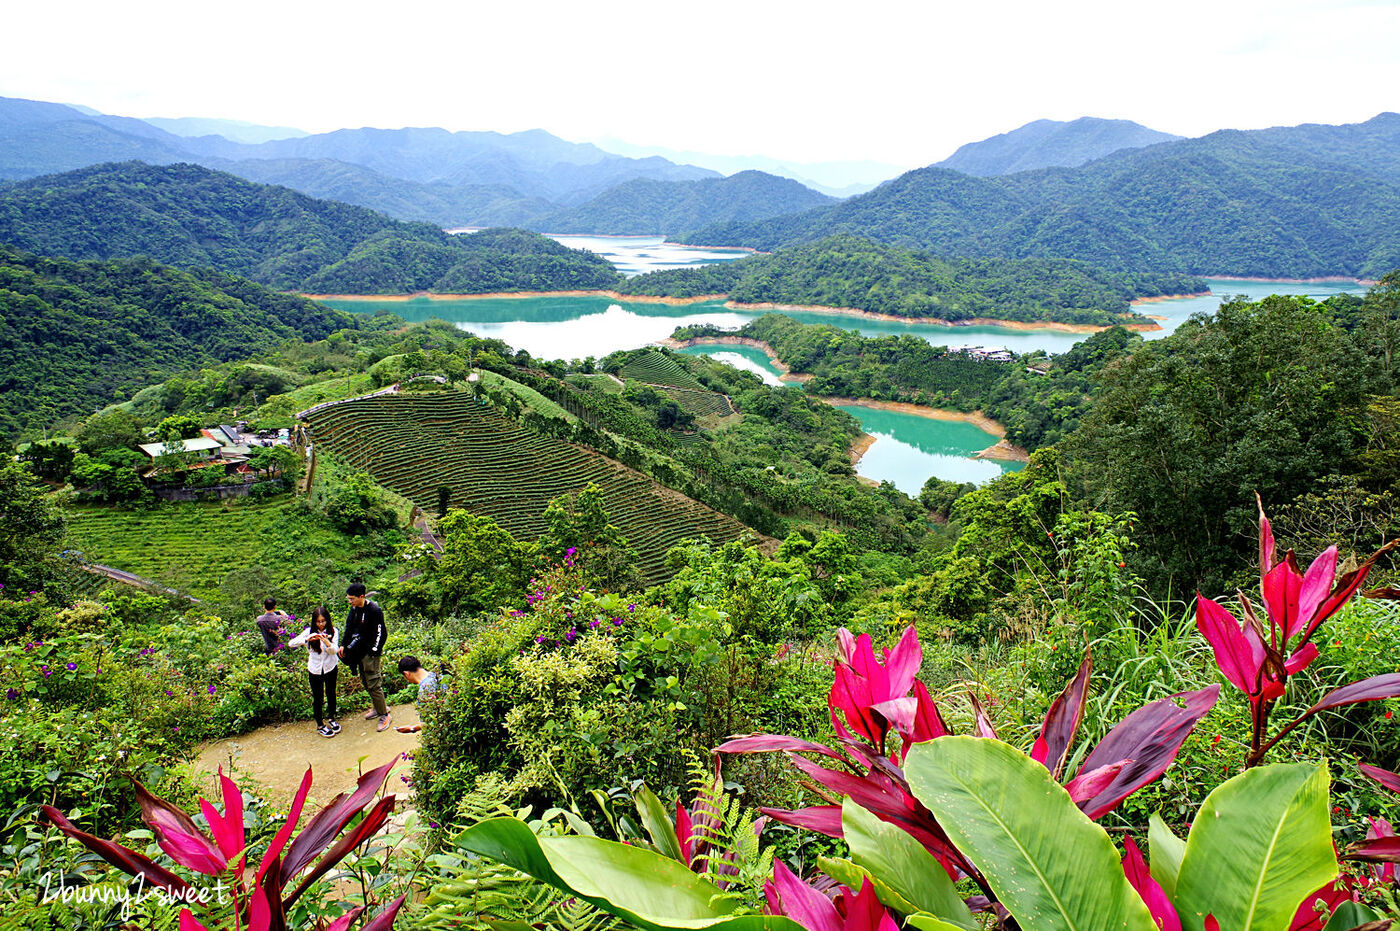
{"points": [[981, 722], [1309, 917], [1150, 738], [787, 895], [362, 832], [1062, 721], [1384, 872], [1240, 657], [1135, 868], [684, 833], [824, 819], [1377, 850], [385, 919], [1373, 689], [1344, 588], [766, 743], [863, 911], [188, 922], [1085, 786], [1386, 778], [331, 820], [274, 850], [178, 836], [129, 861], [344, 922], [228, 827]]}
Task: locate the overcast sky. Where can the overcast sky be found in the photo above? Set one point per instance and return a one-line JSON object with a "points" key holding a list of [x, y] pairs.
{"points": [[899, 82]]}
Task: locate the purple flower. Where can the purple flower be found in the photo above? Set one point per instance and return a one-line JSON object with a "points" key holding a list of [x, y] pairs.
{"points": [[433, 825], [617, 622], [169, 694], [632, 608], [11, 694], [46, 671], [70, 666], [540, 639], [573, 632], [212, 690], [593, 624], [570, 552]]}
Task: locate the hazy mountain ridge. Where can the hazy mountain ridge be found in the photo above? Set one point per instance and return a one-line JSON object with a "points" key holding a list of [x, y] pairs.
{"points": [[645, 206], [1295, 202], [1051, 144]]}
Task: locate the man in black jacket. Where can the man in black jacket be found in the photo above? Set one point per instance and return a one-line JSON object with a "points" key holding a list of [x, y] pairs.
{"points": [[365, 634]]}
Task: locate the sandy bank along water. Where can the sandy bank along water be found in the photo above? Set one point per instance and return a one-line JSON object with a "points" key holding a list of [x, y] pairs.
{"points": [[784, 373], [500, 295]]}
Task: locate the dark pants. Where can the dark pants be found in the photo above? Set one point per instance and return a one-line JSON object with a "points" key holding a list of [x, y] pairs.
{"points": [[372, 672], [323, 683]]}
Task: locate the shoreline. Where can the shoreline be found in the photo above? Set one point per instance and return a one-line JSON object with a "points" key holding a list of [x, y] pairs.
{"points": [[1144, 324], [505, 295], [1330, 279], [859, 447], [784, 372], [978, 419], [1169, 297]]}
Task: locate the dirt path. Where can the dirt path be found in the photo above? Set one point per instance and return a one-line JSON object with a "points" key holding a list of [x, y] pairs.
{"points": [[277, 756]]}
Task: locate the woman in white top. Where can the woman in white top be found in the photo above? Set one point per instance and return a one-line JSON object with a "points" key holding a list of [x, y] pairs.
{"points": [[321, 642]]}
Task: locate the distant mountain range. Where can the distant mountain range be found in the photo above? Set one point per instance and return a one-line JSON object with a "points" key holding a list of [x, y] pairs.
{"points": [[1051, 144], [431, 175], [1290, 202]]}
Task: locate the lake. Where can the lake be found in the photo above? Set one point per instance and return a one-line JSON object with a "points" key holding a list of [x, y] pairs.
{"points": [[908, 448], [634, 255]]}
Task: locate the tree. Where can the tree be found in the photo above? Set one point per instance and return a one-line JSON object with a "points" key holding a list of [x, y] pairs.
{"points": [[578, 528], [1259, 397], [114, 429], [482, 567], [34, 527], [179, 427], [357, 506]]}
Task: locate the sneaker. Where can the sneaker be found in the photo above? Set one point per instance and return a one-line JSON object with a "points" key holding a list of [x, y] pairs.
{"points": [[371, 714], [334, 725], [325, 731], [384, 723]]}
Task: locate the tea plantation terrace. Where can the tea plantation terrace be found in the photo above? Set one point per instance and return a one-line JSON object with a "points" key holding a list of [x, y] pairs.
{"points": [[414, 445]]}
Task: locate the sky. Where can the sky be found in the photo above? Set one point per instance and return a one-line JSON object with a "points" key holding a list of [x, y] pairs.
{"points": [[903, 83]]}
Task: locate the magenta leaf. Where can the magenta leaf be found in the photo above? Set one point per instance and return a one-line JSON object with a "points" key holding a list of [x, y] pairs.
{"points": [[865, 913], [1150, 737], [824, 819], [188, 922], [1372, 689], [1085, 786], [981, 723], [274, 850], [1378, 850], [1309, 918], [344, 921], [1235, 654], [1346, 587], [787, 895], [331, 820], [385, 919], [928, 721], [902, 665], [1386, 778], [129, 861], [362, 832], [1062, 720], [767, 743], [1135, 868], [684, 833], [178, 836]]}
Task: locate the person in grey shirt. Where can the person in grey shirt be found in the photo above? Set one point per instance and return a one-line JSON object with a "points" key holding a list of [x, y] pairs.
{"points": [[428, 684], [270, 622]]}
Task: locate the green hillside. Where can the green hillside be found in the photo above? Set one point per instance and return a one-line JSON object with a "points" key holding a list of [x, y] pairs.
{"points": [[1301, 202], [189, 216], [649, 206], [492, 466], [74, 334], [850, 271]]}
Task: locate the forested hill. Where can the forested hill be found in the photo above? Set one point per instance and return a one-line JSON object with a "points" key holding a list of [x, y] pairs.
{"points": [[848, 271], [72, 334], [647, 206], [1051, 144], [189, 216], [1297, 202]]}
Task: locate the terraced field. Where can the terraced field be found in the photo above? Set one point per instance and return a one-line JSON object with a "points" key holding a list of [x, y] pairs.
{"points": [[657, 368], [193, 546], [700, 403], [414, 445]]}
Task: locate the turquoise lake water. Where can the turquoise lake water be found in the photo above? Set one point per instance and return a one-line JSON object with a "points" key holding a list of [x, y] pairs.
{"points": [[908, 448]]}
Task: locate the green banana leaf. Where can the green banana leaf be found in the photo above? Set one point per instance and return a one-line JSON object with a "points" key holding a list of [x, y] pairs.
{"points": [[1049, 865], [657, 823], [638, 885], [1165, 851], [1350, 915], [929, 923], [1261, 843], [901, 868]]}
